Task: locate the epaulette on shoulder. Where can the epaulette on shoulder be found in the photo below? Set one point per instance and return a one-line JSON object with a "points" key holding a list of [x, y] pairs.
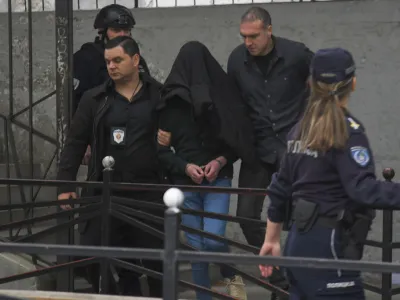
{"points": [[354, 125]]}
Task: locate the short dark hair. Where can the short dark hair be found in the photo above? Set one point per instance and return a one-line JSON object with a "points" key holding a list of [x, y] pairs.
{"points": [[127, 43], [257, 13]]}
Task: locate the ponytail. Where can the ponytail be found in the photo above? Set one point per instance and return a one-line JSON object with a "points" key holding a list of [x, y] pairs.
{"points": [[324, 124]]}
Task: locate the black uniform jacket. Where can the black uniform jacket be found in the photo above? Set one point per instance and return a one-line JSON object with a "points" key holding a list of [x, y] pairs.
{"points": [[340, 179], [86, 130]]}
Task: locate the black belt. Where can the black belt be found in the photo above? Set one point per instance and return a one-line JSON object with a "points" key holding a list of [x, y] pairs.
{"points": [[330, 222]]}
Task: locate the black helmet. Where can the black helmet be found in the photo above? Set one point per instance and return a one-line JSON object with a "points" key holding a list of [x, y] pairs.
{"points": [[114, 16]]}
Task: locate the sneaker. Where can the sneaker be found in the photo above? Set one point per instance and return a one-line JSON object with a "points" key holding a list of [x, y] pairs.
{"points": [[236, 287]]}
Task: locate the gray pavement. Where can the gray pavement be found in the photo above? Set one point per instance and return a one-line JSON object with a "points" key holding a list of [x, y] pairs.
{"points": [[254, 292], [257, 293]]}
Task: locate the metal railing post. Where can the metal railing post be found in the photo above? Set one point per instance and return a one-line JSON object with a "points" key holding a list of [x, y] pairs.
{"points": [[387, 241], [108, 164], [64, 52], [173, 198]]}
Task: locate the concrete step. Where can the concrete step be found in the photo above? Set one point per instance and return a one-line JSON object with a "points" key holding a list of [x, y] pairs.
{"points": [[45, 194], [24, 169], [36, 295], [218, 286], [185, 271], [14, 264], [255, 292], [47, 239]]}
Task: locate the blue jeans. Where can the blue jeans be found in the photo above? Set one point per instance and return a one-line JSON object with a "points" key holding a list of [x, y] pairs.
{"points": [[209, 202]]}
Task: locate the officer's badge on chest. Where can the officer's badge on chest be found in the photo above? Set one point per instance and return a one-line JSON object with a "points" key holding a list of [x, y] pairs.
{"points": [[118, 136]]}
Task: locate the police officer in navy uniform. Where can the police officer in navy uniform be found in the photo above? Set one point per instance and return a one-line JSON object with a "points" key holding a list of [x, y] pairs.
{"points": [[328, 174], [90, 69]]}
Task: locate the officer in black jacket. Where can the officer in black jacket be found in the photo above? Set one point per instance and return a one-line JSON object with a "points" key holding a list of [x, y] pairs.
{"points": [[329, 174], [90, 69], [118, 119]]}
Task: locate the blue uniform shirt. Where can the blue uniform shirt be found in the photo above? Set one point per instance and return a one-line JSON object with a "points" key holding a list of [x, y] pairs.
{"points": [[336, 180]]}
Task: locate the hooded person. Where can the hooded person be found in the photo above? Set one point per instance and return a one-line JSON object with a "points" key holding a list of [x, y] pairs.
{"points": [[197, 78], [202, 112]]}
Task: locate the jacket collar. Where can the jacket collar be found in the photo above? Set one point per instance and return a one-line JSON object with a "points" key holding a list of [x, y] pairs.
{"points": [[108, 85]]}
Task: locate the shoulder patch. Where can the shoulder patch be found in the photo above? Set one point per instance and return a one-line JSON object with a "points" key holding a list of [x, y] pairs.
{"points": [[360, 155], [353, 124]]}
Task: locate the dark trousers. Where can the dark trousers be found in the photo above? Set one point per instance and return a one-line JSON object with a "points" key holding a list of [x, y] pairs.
{"points": [[125, 235], [320, 284], [250, 206]]}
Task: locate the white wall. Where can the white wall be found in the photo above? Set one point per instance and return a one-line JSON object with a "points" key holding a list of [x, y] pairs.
{"points": [[48, 5]]}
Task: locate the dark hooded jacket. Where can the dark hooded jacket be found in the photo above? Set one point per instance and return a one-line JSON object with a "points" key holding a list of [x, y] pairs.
{"points": [[202, 108]]}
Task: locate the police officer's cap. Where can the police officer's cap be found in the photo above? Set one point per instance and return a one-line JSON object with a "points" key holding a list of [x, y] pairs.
{"points": [[114, 16], [332, 65]]}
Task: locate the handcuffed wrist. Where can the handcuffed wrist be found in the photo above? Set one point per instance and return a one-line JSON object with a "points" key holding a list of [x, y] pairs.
{"points": [[219, 162]]}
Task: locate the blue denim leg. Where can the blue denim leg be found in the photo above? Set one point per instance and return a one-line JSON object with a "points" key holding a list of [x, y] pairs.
{"points": [[199, 270], [217, 203]]}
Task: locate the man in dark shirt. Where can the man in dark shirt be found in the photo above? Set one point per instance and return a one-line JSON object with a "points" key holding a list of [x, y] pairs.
{"points": [[118, 118], [271, 73], [90, 69]]}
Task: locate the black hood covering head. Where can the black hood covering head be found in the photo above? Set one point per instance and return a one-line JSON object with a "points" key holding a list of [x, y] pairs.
{"points": [[197, 78], [194, 76]]}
